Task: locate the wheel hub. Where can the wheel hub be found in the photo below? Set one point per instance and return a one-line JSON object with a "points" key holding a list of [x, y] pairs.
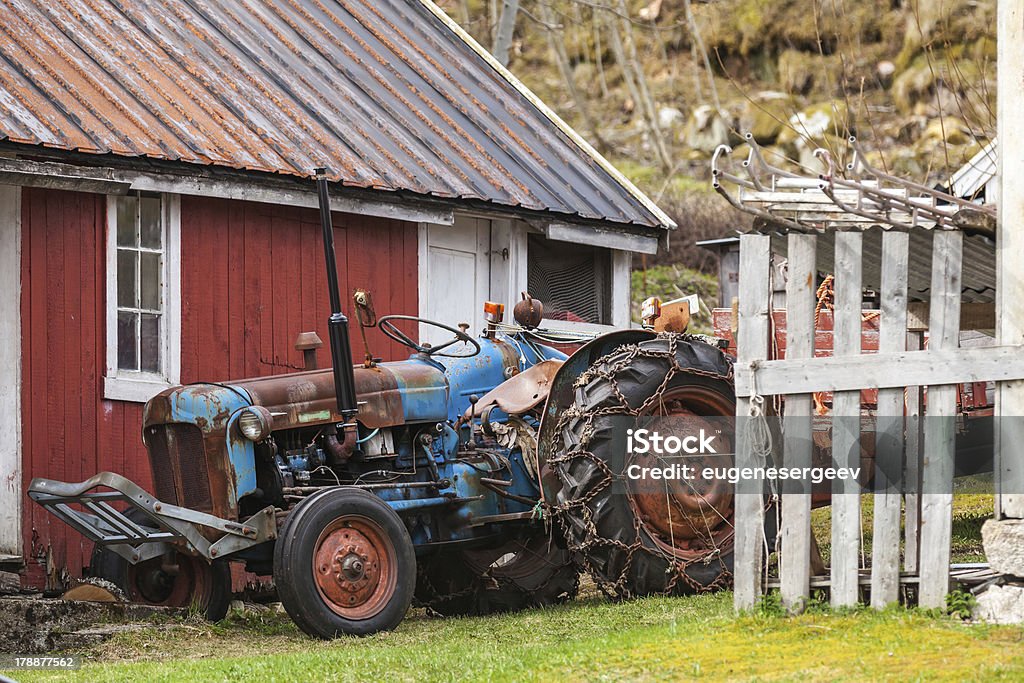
{"points": [[352, 568], [688, 517], [150, 583]]}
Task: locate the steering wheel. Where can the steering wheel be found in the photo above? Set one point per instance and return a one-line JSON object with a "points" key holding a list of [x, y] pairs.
{"points": [[391, 331]]}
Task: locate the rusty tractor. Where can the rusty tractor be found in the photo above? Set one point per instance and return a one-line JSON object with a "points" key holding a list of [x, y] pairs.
{"points": [[476, 476]]}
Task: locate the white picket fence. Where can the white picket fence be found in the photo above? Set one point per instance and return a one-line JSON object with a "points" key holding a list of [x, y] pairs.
{"points": [[898, 374]]}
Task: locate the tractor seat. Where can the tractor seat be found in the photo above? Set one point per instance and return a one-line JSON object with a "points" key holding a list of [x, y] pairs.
{"points": [[520, 393]]}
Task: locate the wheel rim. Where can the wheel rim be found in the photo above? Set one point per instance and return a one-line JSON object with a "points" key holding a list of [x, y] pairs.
{"points": [[152, 583], [688, 519], [355, 567]]}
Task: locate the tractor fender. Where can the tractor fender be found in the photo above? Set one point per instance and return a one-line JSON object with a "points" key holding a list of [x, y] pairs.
{"points": [[561, 396]]}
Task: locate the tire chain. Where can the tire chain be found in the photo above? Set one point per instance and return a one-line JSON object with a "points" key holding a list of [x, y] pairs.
{"points": [[568, 424]]}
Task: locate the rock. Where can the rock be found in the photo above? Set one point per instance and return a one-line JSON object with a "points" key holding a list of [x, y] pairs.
{"points": [[800, 72], [796, 72], [9, 583], [1001, 604], [945, 145], [950, 130], [942, 82], [669, 118], [651, 12], [706, 129], [885, 71], [585, 74], [815, 121], [765, 115], [32, 625], [824, 125], [1003, 540]]}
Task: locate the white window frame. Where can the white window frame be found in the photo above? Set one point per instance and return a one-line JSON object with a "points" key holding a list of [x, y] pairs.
{"points": [[125, 385]]}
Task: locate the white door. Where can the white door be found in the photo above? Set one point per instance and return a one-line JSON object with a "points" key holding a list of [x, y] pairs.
{"points": [[10, 372], [454, 275]]}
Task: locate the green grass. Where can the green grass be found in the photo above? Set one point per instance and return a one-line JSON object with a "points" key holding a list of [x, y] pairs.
{"points": [[970, 510], [655, 638], [592, 639]]}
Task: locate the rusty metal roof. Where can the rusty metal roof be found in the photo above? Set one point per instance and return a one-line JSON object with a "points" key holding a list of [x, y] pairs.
{"points": [[979, 261], [389, 95]]}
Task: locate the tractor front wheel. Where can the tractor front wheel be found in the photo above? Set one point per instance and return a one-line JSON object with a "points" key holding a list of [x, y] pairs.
{"points": [[177, 580], [344, 564]]}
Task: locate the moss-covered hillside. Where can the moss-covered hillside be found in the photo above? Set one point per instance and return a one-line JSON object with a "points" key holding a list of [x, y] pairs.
{"points": [[656, 90]]}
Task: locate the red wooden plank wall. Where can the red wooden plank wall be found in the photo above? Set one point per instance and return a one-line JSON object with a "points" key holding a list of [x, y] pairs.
{"points": [[252, 278]]}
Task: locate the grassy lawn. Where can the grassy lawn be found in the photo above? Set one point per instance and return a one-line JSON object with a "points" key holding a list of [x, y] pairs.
{"points": [[655, 638], [972, 505], [590, 639]]}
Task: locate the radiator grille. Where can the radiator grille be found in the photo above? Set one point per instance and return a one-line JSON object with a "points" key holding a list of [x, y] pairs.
{"points": [[163, 468], [195, 478], [179, 466]]}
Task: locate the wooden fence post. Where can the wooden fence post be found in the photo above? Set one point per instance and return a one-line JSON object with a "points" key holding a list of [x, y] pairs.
{"points": [[795, 556], [940, 423], [1010, 257], [751, 344], [885, 562], [912, 470], [845, 579]]}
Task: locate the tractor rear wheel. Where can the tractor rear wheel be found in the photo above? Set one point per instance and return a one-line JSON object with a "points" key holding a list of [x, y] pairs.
{"points": [[344, 564], [183, 580], [677, 536], [520, 573]]}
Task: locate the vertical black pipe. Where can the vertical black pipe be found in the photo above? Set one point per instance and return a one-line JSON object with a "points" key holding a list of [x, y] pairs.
{"points": [[337, 324]]}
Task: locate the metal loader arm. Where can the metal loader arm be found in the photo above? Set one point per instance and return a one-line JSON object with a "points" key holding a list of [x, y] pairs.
{"points": [[106, 525]]}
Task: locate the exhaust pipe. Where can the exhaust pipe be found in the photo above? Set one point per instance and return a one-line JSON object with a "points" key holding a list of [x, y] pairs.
{"points": [[337, 324]]}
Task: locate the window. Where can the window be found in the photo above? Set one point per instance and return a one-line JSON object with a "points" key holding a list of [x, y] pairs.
{"points": [[573, 280], [143, 309]]}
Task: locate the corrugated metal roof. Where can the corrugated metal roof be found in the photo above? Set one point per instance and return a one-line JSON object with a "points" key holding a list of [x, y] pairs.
{"points": [[972, 177], [387, 94], [979, 261]]}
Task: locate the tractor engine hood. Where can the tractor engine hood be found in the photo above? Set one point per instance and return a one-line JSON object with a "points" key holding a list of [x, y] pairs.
{"points": [[388, 394]]}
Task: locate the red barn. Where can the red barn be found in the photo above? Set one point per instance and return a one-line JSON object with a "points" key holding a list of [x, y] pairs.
{"points": [[157, 223]]}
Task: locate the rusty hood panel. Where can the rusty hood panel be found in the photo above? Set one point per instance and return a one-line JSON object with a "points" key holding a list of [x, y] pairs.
{"points": [[389, 394]]}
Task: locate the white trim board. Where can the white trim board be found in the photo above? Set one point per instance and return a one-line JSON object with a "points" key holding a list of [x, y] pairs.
{"points": [[10, 372], [105, 180], [611, 239]]}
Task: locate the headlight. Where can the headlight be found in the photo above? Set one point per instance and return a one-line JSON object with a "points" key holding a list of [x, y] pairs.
{"points": [[255, 423]]}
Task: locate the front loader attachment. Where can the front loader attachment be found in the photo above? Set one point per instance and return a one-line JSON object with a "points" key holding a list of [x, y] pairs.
{"points": [[166, 525]]}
